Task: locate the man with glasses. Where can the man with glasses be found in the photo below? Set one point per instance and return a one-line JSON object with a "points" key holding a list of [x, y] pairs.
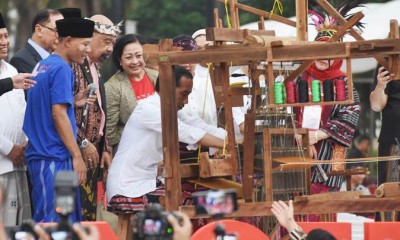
{"points": [[41, 44]]}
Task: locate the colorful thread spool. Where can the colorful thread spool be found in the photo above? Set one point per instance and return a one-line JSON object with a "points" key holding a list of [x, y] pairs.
{"points": [[316, 90], [327, 87], [290, 92], [340, 87], [302, 85], [279, 93]]}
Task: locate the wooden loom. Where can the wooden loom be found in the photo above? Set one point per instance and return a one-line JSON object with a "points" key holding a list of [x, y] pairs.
{"points": [[270, 50]]}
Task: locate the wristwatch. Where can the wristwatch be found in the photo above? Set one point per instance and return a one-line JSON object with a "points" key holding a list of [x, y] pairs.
{"points": [[84, 143], [297, 234]]}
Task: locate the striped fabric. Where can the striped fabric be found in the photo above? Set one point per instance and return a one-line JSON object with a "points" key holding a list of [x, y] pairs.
{"points": [[42, 174], [125, 204], [340, 125]]}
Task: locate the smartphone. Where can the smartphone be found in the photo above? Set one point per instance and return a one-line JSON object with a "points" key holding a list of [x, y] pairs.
{"points": [[215, 202]]}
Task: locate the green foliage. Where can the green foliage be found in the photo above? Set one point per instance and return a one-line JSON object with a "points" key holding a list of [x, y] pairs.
{"points": [[168, 18]]}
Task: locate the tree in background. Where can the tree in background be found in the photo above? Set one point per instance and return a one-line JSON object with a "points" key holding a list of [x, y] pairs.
{"points": [[156, 18], [168, 18]]}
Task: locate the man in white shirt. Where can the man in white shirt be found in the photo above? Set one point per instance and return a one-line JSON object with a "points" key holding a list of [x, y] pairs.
{"points": [[201, 99], [12, 143], [133, 172]]}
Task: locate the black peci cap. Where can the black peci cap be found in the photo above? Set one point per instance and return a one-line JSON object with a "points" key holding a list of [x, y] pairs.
{"points": [[75, 27], [2, 24], [70, 12]]}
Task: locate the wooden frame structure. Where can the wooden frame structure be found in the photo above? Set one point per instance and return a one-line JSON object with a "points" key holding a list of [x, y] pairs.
{"points": [[223, 56]]}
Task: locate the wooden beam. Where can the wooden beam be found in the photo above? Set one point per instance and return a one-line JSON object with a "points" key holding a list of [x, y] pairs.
{"points": [[280, 54], [237, 15], [370, 204], [248, 155], [190, 170], [216, 18], [301, 20], [234, 35], [312, 51], [394, 60], [232, 10], [330, 196], [169, 130], [231, 143], [268, 180], [261, 23]]}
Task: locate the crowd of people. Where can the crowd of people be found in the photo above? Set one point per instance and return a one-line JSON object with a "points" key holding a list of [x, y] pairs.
{"points": [[62, 115]]}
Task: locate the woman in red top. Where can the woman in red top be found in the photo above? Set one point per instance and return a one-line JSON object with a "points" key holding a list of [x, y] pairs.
{"points": [[130, 84]]}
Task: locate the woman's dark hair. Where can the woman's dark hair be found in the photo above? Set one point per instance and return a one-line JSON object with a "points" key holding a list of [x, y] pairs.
{"points": [[319, 234], [179, 72], [120, 45]]}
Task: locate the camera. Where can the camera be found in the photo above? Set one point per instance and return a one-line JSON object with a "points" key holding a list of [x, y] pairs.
{"points": [[23, 232], [65, 187], [152, 224], [215, 202]]}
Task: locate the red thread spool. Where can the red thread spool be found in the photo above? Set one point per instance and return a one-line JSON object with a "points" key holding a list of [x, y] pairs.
{"points": [[290, 92], [340, 86]]}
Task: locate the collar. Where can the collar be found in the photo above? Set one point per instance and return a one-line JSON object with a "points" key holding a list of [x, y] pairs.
{"points": [[90, 61], [42, 52]]}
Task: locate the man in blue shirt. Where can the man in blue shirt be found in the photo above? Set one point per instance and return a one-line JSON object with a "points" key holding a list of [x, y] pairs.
{"points": [[50, 119]]}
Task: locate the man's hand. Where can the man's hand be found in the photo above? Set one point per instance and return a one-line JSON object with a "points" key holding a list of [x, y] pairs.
{"points": [[81, 98], [23, 81], [105, 165], [181, 232], [90, 155], [17, 155], [105, 160], [79, 168]]}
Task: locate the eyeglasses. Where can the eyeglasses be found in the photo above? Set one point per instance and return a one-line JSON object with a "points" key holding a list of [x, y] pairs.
{"points": [[51, 29]]}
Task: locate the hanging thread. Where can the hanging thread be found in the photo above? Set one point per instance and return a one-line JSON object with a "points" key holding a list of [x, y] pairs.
{"points": [[327, 87], [290, 92], [279, 93], [228, 20], [302, 86], [316, 90], [278, 4], [340, 87]]}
